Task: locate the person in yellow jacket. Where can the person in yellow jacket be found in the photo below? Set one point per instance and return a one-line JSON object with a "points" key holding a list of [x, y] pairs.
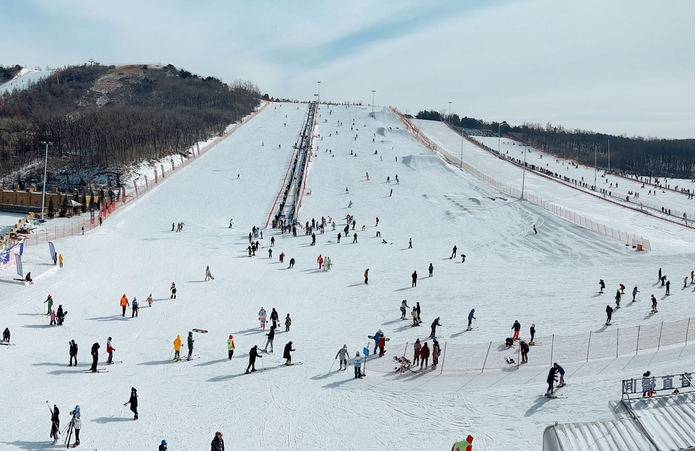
{"points": [[177, 348], [60, 260], [124, 304], [230, 347]]}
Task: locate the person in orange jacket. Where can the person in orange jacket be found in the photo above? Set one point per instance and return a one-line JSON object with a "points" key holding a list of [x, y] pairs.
{"points": [[177, 347], [320, 260], [60, 260], [124, 304]]}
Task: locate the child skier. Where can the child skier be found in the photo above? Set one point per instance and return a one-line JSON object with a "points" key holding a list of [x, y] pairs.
{"points": [[230, 347], [357, 361], [262, 318], [110, 350], [173, 290], [149, 300]]}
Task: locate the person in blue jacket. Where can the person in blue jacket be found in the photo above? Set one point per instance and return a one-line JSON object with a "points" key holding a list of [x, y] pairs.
{"points": [[561, 372], [378, 334], [471, 317]]}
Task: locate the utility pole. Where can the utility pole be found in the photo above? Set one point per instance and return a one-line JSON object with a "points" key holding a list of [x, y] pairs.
{"points": [[595, 166], [373, 100], [43, 192], [524, 169], [609, 155]]}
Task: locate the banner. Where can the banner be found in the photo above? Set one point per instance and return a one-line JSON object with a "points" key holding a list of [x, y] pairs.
{"points": [[52, 248], [18, 260]]}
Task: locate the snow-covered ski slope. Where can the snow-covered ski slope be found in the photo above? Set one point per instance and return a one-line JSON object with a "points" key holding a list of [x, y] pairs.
{"points": [[549, 279], [23, 78]]}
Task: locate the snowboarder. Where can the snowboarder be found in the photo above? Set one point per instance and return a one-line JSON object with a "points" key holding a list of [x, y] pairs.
{"points": [[454, 252], [288, 322], [95, 357], [524, 350], [378, 334], [403, 308], [343, 354], [609, 311], [218, 444], [470, 318], [77, 425], [253, 354], [433, 326], [414, 278], [55, 423], [6, 335], [230, 347], [73, 352], [635, 292], [110, 350], [49, 301], [532, 332], [424, 355], [654, 304], [516, 330], [292, 263], [365, 275], [601, 285], [124, 304], [133, 401], [60, 315], [28, 278], [269, 341], [274, 318], [173, 290], [177, 348], [189, 343], [286, 353], [262, 318], [357, 361], [436, 352], [550, 379], [135, 308], [430, 270], [561, 373], [416, 351]]}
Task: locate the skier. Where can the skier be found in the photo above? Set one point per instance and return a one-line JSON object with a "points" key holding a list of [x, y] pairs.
{"points": [[133, 401], [253, 354], [410, 243], [189, 343], [433, 327], [414, 278], [534, 228], [622, 287], [269, 341], [532, 331], [230, 347], [327, 263], [274, 318], [618, 299], [659, 274], [524, 350], [343, 354], [378, 334], [73, 352], [218, 444], [635, 292], [416, 351], [286, 353], [231, 224], [424, 355], [355, 237], [609, 311], [403, 308], [654, 304], [270, 253], [136, 308], [208, 276], [177, 348], [418, 310], [55, 423], [357, 361], [550, 379], [667, 288], [281, 257], [272, 241], [454, 252], [95, 357], [6, 335], [173, 290], [377, 222], [262, 318], [686, 280], [49, 301], [110, 350], [124, 304], [414, 315], [149, 300], [77, 425], [28, 278], [163, 446], [470, 318], [60, 260], [561, 372], [320, 260], [53, 318], [365, 275], [436, 352], [288, 322], [292, 263], [516, 330], [430, 270], [601, 285]]}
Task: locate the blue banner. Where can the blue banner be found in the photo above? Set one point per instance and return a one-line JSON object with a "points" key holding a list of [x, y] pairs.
{"points": [[52, 248], [18, 260]]}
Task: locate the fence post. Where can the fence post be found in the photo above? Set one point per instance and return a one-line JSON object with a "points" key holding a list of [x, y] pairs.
{"points": [[638, 340], [617, 342], [486, 359], [589, 340], [552, 340], [659, 339], [688, 324], [444, 352]]}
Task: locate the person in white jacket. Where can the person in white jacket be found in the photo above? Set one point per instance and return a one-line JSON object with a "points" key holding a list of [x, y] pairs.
{"points": [[343, 355]]}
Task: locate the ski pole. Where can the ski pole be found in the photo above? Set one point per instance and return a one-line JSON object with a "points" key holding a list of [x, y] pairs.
{"points": [[332, 364]]}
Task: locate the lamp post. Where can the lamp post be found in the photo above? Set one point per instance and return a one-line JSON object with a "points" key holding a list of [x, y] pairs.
{"points": [[43, 193], [373, 100], [595, 166], [608, 155], [524, 169], [319, 91], [449, 113], [498, 138], [461, 153]]}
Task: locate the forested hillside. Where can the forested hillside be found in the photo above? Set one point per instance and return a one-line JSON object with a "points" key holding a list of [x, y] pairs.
{"points": [[103, 118]]}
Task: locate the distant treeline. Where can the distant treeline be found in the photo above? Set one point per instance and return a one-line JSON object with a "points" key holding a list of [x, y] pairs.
{"points": [[102, 118], [8, 73], [637, 155]]}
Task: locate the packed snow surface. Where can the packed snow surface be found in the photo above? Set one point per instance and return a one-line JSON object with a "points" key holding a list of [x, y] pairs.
{"points": [[510, 273]]}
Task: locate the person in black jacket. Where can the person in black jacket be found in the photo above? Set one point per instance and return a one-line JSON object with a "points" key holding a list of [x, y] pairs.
{"points": [[133, 401], [218, 444], [286, 353], [532, 332], [274, 318], [271, 336], [55, 423], [524, 349], [189, 342], [609, 311], [95, 357], [73, 352], [253, 353], [550, 379]]}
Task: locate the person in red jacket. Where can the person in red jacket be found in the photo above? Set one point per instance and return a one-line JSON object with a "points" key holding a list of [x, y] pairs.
{"points": [[381, 343]]}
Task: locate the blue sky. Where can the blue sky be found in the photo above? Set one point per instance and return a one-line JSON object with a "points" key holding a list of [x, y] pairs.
{"points": [[622, 67]]}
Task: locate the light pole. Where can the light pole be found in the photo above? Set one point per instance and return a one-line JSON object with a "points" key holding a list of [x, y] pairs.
{"points": [[449, 113], [319, 91], [316, 98], [373, 100], [595, 167], [524, 169], [461, 153], [498, 138], [608, 155], [43, 193]]}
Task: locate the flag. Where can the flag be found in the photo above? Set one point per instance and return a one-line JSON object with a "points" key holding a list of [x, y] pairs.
{"points": [[18, 260], [366, 351], [52, 249]]}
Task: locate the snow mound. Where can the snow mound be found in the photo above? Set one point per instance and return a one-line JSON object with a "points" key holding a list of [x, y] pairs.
{"points": [[420, 162]]}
